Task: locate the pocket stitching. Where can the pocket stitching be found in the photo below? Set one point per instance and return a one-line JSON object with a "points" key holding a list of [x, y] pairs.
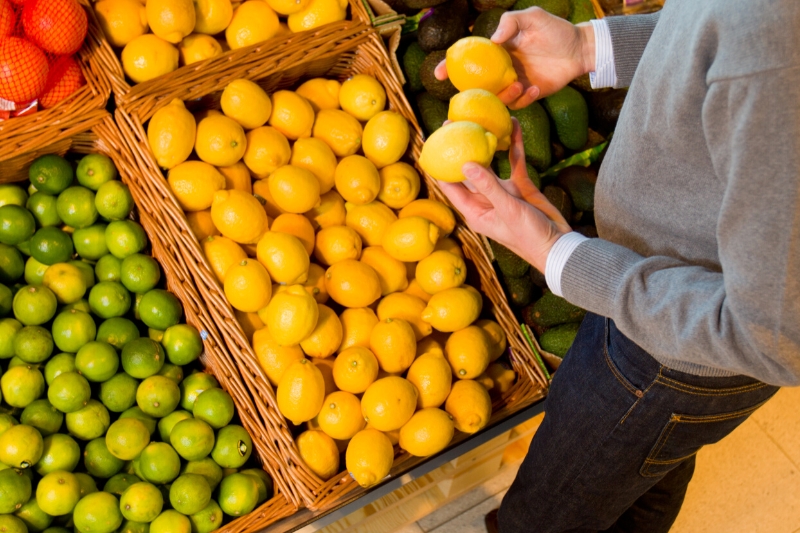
{"points": [[617, 374], [689, 389]]}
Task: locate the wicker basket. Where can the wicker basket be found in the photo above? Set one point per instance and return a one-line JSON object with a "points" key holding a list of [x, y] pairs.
{"points": [[23, 139]]}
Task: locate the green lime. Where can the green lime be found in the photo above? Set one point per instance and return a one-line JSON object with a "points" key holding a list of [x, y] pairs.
{"points": [[119, 393], [57, 529], [137, 299], [59, 452], [117, 332], [125, 237], [141, 502], [160, 309], [72, 329], [233, 447], [43, 208], [76, 208], [24, 247], [66, 282], [34, 518], [81, 305], [193, 385], [159, 463], [90, 243], [12, 195], [114, 201], [32, 189], [108, 268], [166, 424], [6, 300], [11, 524], [265, 485], [21, 446], [214, 406], [129, 526], [7, 421], [97, 513], [173, 372], [8, 330], [51, 174], [16, 361], [137, 413], [57, 365], [158, 396], [88, 486], [15, 490], [87, 271], [34, 305], [207, 468], [33, 344], [100, 462], [193, 439], [21, 385], [69, 392], [182, 343], [12, 265], [155, 334], [189, 493], [126, 438], [238, 494], [58, 492], [34, 271], [94, 170], [41, 415], [207, 520], [97, 361], [140, 273], [171, 521], [109, 299], [142, 358], [16, 224], [90, 422], [51, 246], [119, 482]]}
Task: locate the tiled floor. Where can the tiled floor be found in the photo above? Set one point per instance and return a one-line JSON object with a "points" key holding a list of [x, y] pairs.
{"points": [[748, 483]]}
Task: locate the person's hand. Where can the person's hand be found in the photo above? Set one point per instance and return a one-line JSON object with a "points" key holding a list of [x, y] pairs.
{"points": [[547, 52], [512, 212]]}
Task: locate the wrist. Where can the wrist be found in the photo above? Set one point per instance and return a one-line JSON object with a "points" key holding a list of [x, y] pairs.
{"points": [[587, 47]]}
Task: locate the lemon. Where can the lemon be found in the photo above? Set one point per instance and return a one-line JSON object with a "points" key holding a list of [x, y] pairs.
{"points": [[147, 57], [441, 271], [298, 226], [369, 220], [292, 115], [394, 344], [386, 137], [414, 289], [389, 403], [250, 323], [326, 337], [212, 16], [246, 103], [449, 245], [352, 283], [121, 20], [356, 368], [315, 284], [287, 7], [267, 150], [431, 345], [273, 358], [317, 13], [410, 239], [237, 177], [357, 179], [220, 140], [294, 189], [340, 416], [247, 286], [429, 431], [239, 216], [363, 97], [337, 243], [436, 212], [369, 457], [339, 130], [301, 392], [496, 335], [325, 366], [470, 406], [261, 192], [391, 272], [321, 93], [468, 351], [198, 47], [253, 22], [452, 145], [319, 453], [284, 257], [330, 211], [431, 375], [316, 157], [291, 315], [194, 184], [357, 324], [478, 63], [399, 185], [171, 133], [172, 20], [502, 378], [222, 253], [408, 308], [453, 309], [485, 109]]}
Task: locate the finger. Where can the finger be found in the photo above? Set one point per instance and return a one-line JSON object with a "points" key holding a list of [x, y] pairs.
{"points": [[487, 184], [506, 28], [446, 122], [510, 94], [525, 99], [440, 71], [510, 187]]}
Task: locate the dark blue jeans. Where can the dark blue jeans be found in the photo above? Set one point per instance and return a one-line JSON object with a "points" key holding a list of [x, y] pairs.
{"points": [[616, 449]]}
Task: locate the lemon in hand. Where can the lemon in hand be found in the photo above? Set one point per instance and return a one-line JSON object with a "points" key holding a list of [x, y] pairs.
{"points": [[448, 148], [246, 103], [212, 16], [170, 133], [485, 109], [148, 56], [478, 63], [386, 137], [172, 20], [220, 140], [121, 20], [253, 22]]}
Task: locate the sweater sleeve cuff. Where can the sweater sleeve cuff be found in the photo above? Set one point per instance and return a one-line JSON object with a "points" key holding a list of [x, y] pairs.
{"points": [[605, 72], [558, 257], [629, 37]]}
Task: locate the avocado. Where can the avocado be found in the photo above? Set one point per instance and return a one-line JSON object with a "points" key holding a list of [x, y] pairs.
{"points": [[581, 11], [521, 291], [503, 166], [400, 6], [446, 24], [570, 115], [579, 182], [433, 112], [558, 340], [509, 263], [559, 198], [487, 22], [416, 5], [538, 278], [551, 310], [583, 83], [587, 231], [559, 8], [535, 134], [443, 90], [412, 62], [604, 109]]}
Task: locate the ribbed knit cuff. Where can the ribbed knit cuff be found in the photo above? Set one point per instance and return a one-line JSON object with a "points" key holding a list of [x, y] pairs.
{"points": [[558, 257], [629, 37], [605, 74]]}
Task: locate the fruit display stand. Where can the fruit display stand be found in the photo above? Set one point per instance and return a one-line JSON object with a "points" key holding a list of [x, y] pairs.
{"points": [[24, 138]]}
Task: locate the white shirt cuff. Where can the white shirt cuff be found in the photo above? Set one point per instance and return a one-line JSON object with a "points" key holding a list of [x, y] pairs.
{"points": [[558, 257], [605, 72]]}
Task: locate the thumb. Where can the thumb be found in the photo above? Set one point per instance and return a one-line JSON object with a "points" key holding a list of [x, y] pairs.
{"points": [[506, 29], [486, 183]]}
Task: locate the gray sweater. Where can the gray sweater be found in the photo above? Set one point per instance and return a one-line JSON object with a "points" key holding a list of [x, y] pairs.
{"points": [[698, 199]]}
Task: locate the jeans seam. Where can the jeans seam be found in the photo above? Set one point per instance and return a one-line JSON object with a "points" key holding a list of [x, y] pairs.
{"points": [[644, 393], [689, 389], [672, 461]]}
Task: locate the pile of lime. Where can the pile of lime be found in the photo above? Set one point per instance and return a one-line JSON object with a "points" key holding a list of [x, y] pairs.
{"points": [[99, 380]]}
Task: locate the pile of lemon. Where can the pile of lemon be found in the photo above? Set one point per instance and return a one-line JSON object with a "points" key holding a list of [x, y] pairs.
{"points": [[350, 288], [156, 36]]}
